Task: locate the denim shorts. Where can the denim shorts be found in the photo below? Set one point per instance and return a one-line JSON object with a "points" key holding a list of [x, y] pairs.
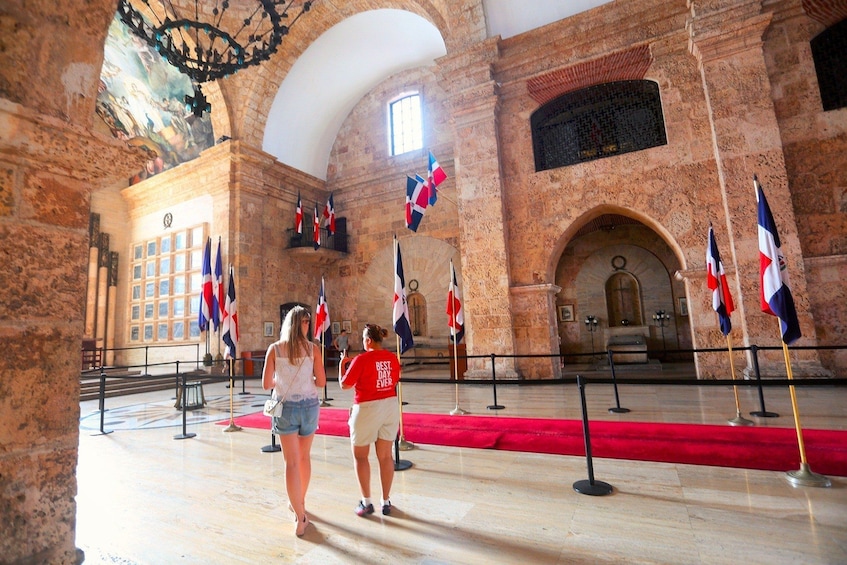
{"points": [[297, 416]]}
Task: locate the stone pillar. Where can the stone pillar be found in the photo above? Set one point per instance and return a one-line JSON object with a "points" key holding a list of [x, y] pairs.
{"points": [[467, 74], [726, 39], [93, 255], [537, 330], [102, 290], [111, 309]]}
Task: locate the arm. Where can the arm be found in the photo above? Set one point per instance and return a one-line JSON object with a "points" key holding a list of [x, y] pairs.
{"points": [[270, 368], [343, 366], [320, 371]]}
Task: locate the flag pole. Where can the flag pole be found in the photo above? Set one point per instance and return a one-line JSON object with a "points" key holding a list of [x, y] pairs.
{"points": [[455, 411], [324, 400], [804, 476], [739, 420], [231, 427], [403, 445]]}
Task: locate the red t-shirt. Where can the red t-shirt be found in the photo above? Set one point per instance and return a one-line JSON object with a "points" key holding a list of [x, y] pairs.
{"points": [[374, 374]]}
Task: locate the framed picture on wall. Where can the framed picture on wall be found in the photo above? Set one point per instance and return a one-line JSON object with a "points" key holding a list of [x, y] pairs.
{"points": [[347, 325], [566, 313], [683, 306], [336, 328], [268, 329]]}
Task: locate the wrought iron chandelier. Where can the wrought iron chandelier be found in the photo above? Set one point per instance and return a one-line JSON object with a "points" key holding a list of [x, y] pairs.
{"points": [[207, 40]]}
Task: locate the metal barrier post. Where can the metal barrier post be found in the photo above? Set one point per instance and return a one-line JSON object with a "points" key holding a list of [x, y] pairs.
{"points": [[617, 408], [184, 434], [763, 413], [589, 487], [102, 401], [494, 406]]}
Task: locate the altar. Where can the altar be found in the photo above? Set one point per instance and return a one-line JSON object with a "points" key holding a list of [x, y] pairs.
{"points": [[628, 342]]}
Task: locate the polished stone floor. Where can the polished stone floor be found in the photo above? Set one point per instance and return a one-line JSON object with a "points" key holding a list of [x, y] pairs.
{"points": [[145, 497]]}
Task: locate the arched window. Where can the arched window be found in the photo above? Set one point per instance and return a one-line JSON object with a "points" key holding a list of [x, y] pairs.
{"points": [[596, 122], [405, 124], [829, 51], [417, 313], [623, 300]]}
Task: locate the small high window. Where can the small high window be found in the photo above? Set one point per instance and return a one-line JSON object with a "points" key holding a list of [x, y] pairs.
{"points": [[596, 122], [829, 51], [405, 124]]}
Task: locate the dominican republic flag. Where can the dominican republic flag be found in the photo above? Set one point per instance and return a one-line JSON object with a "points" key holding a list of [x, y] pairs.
{"points": [[218, 290], [317, 225], [329, 214], [455, 316], [775, 294], [230, 322], [435, 176], [206, 293], [400, 315], [716, 281], [416, 201], [322, 324], [298, 215]]}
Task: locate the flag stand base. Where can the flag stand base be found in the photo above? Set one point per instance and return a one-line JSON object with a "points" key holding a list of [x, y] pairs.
{"points": [[805, 477], [740, 420]]}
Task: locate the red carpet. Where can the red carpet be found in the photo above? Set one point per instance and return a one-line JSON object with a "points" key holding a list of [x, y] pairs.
{"points": [[773, 449]]}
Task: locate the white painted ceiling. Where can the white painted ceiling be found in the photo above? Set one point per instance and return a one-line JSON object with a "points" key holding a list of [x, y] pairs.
{"points": [[354, 56]]}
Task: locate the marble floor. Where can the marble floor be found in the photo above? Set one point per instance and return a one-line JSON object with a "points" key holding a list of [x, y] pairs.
{"points": [[145, 497]]}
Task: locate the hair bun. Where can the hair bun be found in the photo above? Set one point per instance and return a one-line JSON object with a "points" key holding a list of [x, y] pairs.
{"points": [[383, 332]]}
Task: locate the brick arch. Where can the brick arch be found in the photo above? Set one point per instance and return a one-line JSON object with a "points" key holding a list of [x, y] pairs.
{"points": [[257, 93]]}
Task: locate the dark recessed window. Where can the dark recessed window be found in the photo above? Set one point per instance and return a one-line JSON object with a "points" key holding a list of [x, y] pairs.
{"points": [[829, 50], [596, 122]]}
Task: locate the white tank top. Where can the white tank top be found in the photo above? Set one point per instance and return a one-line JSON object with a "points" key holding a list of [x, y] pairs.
{"points": [[294, 382]]}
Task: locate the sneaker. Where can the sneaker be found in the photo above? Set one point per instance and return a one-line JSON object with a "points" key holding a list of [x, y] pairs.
{"points": [[386, 508], [362, 510]]}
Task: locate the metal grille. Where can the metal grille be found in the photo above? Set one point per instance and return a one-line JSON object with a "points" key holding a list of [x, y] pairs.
{"points": [[829, 50], [596, 122]]}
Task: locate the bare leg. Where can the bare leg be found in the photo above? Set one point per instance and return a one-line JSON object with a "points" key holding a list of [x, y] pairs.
{"points": [[386, 466], [305, 465], [363, 469], [291, 451]]}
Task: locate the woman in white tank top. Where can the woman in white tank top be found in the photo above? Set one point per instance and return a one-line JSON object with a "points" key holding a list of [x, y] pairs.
{"points": [[293, 368]]}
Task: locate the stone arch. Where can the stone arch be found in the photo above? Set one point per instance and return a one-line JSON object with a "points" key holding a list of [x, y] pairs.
{"points": [[259, 93], [426, 260], [604, 241]]}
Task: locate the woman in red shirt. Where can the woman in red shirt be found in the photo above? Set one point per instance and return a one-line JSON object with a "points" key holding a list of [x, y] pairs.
{"points": [[375, 415]]}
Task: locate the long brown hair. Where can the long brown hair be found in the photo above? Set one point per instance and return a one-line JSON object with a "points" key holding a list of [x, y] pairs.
{"points": [[291, 335]]}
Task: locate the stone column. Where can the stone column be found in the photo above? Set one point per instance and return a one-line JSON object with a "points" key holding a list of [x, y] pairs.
{"points": [[102, 290], [93, 255], [112, 298], [536, 328], [726, 38], [467, 75]]}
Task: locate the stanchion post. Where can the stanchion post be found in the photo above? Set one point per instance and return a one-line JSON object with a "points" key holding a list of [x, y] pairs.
{"points": [[763, 413], [184, 434], [146, 372], [590, 486], [399, 464], [494, 406], [273, 447], [616, 409], [102, 401]]}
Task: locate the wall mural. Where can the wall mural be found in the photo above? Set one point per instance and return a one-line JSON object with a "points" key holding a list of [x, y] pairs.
{"points": [[141, 99]]}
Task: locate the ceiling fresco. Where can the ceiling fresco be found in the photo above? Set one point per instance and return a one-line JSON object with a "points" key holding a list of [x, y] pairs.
{"points": [[142, 100]]}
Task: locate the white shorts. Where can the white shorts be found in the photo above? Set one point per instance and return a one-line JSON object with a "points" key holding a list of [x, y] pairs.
{"points": [[377, 419]]}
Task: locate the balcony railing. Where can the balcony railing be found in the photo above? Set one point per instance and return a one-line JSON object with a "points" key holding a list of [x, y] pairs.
{"points": [[333, 242]]}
